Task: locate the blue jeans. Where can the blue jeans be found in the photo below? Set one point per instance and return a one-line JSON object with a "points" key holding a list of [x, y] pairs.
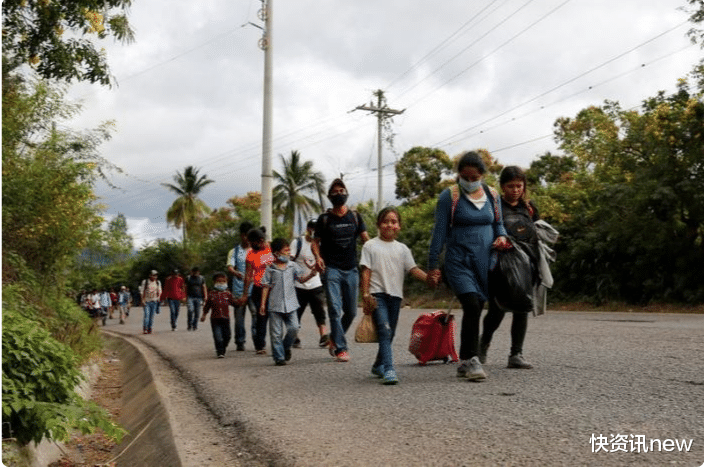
{"points": [[341, 288], [280, 343], [385, 319], [174, 306], [240, 329], [149, 310], [221, 334], [193, 304]]}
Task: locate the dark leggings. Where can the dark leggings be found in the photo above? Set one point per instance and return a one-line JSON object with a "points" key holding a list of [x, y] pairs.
{"points": [[519, 325], [260, 336], [469, 335]]}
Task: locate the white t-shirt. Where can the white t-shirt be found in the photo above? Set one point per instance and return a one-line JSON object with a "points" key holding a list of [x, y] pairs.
{"points": [[305, 257], [389, 263]]}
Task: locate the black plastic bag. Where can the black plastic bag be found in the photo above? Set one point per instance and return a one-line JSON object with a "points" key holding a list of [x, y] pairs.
{"points": [[510, 282]]}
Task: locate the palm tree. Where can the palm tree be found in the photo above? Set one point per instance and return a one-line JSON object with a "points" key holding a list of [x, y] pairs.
{"points": [[289, 195], [187, 207]]}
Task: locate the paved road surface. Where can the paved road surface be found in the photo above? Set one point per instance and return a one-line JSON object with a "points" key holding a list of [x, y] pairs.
{"points": [[606, 382]]}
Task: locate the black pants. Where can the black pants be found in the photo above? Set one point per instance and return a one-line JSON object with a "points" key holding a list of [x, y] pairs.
{"points": [[472, 306], [314, 298], [519, 326], [260, 336]]}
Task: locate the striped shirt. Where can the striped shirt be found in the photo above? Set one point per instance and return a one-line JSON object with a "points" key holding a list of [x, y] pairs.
{"points": [[281, 282]]}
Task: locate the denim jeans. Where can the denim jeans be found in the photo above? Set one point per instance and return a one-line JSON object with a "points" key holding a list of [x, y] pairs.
{"points": [[280, 343], [221, 334], [240, 329], [193, 304], [385, 319], [174, 306], [341, 288], [149, 310]]}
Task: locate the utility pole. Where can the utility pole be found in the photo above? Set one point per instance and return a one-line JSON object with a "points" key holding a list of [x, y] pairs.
{"points": [[266, 44], [382, 111]]}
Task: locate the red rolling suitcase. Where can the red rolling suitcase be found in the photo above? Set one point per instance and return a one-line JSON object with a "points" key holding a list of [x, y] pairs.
{"points": [[433, 337]]}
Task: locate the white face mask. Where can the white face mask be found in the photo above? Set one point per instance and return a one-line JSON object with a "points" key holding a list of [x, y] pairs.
{"points": [[468, 186], [283, 258], [220, 286]]}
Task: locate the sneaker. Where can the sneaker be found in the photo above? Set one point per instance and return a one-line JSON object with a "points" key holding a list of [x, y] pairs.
{"points": [[280, 362], [343, 356], [378, 371], [297, 343], [517, 361], [122, 321], [324, 340], [475, 372], [188, 328], [144, 331], [220, 355], [287, 354], [240, 347], [261, 352], [483, 349], [463, 369], [390, 378], [331, 348], [149, 331]]}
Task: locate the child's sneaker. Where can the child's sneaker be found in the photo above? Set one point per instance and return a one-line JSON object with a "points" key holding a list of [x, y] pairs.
{"points": [[324, 340], [280, 362], [343, 356], [378, 371], [332, 348], [390, 377]]}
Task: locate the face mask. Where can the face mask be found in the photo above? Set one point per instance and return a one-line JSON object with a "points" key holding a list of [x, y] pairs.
{"points": [[220, 286], [338, 199], [468, 186], [283, 258]]}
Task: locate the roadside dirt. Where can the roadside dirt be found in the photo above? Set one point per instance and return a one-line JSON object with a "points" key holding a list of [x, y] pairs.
{"points": [[97, 449]]}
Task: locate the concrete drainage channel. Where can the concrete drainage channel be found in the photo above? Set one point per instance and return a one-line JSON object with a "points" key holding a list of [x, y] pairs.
{"points": [[150, 439]]}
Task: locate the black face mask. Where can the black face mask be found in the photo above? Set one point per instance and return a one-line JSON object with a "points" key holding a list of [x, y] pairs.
{"points": [[338, 199]]}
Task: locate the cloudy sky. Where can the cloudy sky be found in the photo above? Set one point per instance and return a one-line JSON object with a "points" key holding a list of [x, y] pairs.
{"points": [[479, 74]]}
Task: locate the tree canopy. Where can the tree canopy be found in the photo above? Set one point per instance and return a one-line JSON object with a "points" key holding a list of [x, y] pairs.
{"points": [[34, 32]]}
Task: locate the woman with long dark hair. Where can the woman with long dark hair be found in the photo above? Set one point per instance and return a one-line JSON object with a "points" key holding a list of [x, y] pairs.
{"points": [[519, 216], [468, 224]]}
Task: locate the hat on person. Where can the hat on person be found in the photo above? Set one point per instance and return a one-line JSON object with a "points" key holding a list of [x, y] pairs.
{"points": [[337, 182], [123, 287], [312, 223], [154, 273]]}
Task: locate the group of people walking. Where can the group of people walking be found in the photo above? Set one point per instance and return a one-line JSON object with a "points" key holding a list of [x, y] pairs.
{"points": [[275, 282]]}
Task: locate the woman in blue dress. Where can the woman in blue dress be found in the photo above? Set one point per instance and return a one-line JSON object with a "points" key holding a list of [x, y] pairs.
{"points": [[468, 224]]}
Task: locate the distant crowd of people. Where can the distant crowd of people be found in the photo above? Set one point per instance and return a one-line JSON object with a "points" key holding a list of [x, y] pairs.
{"points": [[274, 282]]}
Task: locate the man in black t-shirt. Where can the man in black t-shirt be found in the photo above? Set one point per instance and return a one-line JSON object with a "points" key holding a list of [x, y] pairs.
{"points": [[335, 250], [197, 294]]}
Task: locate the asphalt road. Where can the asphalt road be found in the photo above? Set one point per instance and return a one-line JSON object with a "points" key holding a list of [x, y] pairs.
{"points": [[605, 387]]}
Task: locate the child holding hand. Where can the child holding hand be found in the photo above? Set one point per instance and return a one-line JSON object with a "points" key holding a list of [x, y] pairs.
{"points": [[279, 300], [384, 263]]}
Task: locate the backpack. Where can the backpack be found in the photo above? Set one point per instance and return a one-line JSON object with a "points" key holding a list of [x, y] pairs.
{"points": [[455, 195], [355, 214]]}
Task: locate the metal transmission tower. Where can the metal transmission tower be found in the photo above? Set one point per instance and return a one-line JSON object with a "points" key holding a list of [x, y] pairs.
{"points": [[382, 112]]}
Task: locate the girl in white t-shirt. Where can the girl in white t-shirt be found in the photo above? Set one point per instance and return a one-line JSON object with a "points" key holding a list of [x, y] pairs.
{"points": [[384, 263]]}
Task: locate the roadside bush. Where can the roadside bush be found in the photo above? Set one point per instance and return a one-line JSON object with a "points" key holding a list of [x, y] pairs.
{"points": [[39, 376]]}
